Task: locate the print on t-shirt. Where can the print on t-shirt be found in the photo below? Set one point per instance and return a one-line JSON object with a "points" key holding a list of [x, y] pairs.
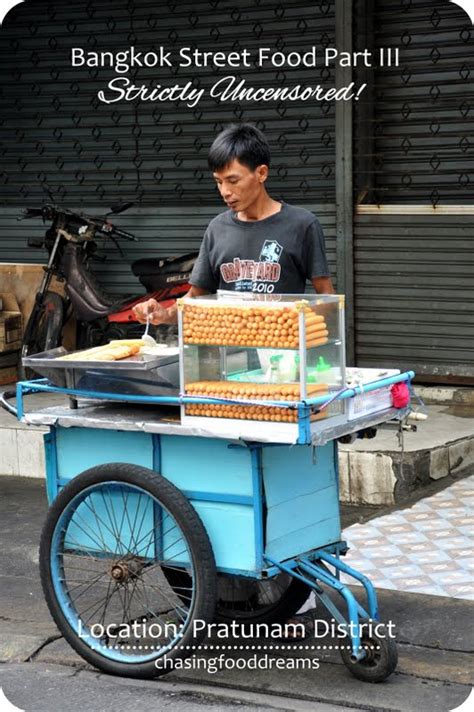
{"points": [[252, 276]]}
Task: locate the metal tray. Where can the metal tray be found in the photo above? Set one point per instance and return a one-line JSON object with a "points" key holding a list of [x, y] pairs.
{"points": [[137, 375]]}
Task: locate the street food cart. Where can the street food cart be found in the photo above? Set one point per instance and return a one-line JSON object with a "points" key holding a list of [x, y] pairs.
{"points": [[200, 484]]}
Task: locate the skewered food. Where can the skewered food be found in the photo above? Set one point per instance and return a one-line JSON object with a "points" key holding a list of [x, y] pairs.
{"points": [[252, 326], [232, 390]]}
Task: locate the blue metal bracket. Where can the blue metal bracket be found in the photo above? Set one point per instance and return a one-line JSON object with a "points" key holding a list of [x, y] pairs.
{"points": [[366, 582], [312, 570]]}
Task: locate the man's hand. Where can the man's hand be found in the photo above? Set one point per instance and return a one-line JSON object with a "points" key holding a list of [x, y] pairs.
{"points": [[160, 315], [153, 310]]}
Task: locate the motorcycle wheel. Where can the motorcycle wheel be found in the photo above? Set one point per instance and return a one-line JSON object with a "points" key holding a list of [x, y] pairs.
{"points": [[91, 334], [43, 330]]}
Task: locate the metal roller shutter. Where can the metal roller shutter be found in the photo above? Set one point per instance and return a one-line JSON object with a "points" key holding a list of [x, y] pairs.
{"points": [[414, 123], [55, 133], [414, 257], [414, 293]]}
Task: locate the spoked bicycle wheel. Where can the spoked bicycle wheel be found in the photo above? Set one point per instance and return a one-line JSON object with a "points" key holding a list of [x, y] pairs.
{"points": [[110, 541]]}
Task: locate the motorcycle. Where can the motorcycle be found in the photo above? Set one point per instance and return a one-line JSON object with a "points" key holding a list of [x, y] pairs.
{"points": [[71, 243]]}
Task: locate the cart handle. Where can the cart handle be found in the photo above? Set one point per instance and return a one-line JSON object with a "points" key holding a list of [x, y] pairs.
{"points": [[4, 398], [23, 388]]}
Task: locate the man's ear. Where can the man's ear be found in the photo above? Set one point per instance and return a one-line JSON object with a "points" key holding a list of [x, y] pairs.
{"points": [[262, 173]]}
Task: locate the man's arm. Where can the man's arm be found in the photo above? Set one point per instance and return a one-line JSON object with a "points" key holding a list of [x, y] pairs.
{"points": [[323, 285], [160, 315]]}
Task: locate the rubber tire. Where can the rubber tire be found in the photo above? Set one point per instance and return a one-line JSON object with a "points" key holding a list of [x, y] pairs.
{"points": [[291, 601], [198, 542], [370, 669], [52, 332]]}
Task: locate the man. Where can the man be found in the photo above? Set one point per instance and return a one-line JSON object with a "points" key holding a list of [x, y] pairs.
{"points": [[259, 244]]}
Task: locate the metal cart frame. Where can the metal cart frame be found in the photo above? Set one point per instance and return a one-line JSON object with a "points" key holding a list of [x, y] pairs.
{"points": [[259, 512]]}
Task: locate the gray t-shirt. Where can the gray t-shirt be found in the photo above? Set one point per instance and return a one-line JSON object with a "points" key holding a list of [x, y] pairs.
{"points": [[274, 255]]}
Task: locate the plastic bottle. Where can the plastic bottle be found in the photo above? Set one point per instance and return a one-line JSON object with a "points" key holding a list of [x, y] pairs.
{"points": [[288, 367], [322, 365]]}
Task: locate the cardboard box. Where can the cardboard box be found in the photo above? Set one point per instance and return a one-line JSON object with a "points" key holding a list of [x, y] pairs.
{"points": [[11, 323], [23, 281], [9, 302], [10, 331], [9, 374], [8, 367]]}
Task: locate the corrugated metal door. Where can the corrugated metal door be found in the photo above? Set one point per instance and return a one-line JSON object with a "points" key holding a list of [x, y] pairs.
{"points": [[56, 135], [414, 293], [413, 256]]}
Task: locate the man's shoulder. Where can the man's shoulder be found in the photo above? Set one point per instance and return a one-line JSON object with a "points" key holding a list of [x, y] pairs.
{"points": [[219, 220], [301, 215]]}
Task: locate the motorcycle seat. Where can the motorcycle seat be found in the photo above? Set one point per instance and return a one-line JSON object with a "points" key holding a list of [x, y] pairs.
{"points": [[164, 265]]}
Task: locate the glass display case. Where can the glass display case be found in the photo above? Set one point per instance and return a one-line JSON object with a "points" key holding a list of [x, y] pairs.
{"points": [[241, 347]]}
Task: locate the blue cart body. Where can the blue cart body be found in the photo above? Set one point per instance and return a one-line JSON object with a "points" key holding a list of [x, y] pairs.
{"points": [[268, 507], [257, 501]]}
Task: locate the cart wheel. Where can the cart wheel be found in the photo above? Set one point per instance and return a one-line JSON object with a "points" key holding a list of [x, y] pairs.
{"points": [[381, 657], [270, 600], [105, 542]]}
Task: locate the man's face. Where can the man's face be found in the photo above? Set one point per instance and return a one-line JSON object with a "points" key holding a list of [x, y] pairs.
{"points": [[239, 185]]}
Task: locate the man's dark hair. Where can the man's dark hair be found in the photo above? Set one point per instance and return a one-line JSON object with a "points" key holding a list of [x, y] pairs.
{"points": [[241, 142]]}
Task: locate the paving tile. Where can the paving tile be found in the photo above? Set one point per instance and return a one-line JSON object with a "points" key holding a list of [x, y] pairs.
{"points": [[464, 590], [390, 520], [412, 581], [440, 567], [408, 570], [356, 532], [412, 516], [462, 521], [452, 577], [387, 561], [409, 538], [398, 529], [429, 589], [363, 566], [418, 547], [384, 583], [452, 512], [375, 551], [452, 542], [445, 504], [429, 556], [466, 563], [460, 553], [430, 525], [448, 533]]}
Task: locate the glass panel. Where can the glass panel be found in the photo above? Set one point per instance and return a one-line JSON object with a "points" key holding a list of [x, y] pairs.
{"points": [[266, 347]]}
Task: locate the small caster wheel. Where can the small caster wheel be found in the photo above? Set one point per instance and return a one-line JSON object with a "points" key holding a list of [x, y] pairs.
{"points": [[380, 660]]}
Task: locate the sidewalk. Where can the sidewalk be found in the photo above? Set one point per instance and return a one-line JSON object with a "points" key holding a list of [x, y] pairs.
{"points": [[426, 548], [434, 635]]}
